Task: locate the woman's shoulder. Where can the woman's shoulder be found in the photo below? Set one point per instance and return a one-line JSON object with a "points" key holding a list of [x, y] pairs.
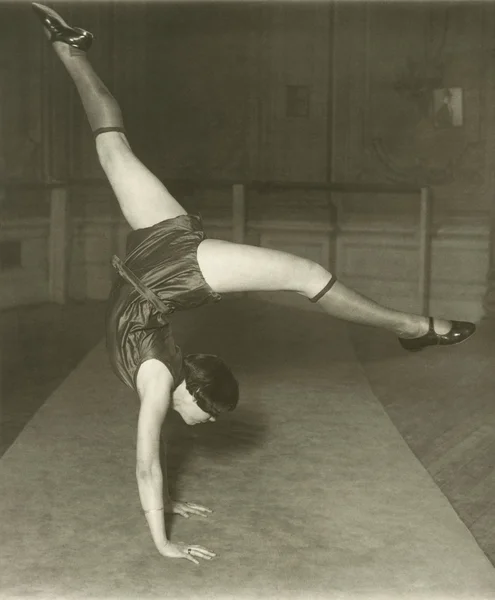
{"points": [[160, 345]]}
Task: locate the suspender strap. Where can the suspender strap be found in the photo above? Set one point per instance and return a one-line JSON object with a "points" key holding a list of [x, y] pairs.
{"points": [[137, 284]]}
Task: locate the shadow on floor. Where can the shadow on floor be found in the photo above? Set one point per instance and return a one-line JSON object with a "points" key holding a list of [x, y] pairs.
{"points": [[41, 345]]}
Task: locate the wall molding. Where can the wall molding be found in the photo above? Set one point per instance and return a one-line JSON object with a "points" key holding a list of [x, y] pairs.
{"points": [[25, 228]]}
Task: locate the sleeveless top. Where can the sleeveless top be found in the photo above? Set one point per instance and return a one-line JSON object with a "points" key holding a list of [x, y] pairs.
{"points": [[159, 275]]}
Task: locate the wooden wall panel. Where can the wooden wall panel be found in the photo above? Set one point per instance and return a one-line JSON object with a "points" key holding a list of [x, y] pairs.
{"points": [[489, 108], [20, 80], [199, 69], [294, 52]]}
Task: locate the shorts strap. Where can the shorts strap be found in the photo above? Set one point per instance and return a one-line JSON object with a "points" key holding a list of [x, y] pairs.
{"points": [[139, 286]]}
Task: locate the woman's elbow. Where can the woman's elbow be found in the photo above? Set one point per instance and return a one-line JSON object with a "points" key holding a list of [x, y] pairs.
{"points": [[148, 470]]}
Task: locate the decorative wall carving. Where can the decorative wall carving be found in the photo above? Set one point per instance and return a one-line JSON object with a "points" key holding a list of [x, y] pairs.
{"points": [[385, 127], [419, 170], [419, 151]]}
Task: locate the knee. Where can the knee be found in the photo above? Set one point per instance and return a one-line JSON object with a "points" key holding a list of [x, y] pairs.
{"points": [[315, 279]]}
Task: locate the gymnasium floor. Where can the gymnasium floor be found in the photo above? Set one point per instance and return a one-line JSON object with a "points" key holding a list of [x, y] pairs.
{"points": [[315, 492]]}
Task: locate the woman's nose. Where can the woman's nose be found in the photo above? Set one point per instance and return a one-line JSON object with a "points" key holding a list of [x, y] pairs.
{"points": [[212, 419]]}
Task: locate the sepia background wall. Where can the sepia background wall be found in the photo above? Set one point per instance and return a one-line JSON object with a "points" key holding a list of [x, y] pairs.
{"points": [[299, 91]]}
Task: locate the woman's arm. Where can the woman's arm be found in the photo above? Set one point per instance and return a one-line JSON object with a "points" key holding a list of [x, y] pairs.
{"points": [[154, 385]]}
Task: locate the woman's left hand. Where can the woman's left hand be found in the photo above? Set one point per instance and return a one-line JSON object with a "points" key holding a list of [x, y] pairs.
{"points": [[185, 509]]}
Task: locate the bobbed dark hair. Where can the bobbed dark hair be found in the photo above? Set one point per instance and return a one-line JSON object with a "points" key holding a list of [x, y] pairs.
{"points": [[211, 383]]}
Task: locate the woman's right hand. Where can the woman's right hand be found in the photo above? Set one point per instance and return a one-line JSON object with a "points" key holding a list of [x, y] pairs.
{"points": [[187, 551]]}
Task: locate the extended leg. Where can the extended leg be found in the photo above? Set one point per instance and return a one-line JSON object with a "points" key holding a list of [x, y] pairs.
{"points": [[231, 267], [143, 199]]}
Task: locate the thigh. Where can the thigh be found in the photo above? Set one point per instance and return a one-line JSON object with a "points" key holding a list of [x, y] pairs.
{"points": [[143, 198], [229, 267]]}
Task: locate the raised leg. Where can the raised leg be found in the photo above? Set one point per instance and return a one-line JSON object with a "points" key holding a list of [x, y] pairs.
{"points": [[143, 199], [231, 267]]}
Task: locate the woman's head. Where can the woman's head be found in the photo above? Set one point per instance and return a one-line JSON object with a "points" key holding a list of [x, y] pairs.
{"points": [[210, 384]]}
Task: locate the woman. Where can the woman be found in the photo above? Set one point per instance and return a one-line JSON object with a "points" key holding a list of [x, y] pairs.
{"points": [[170, 265]]}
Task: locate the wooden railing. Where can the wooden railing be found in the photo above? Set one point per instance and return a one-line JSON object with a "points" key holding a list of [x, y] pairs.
{"points": [[58, 194]]}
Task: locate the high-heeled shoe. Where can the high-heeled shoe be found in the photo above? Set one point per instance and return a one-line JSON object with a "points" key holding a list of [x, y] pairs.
{"points": [[60, 31], [459, 332]]}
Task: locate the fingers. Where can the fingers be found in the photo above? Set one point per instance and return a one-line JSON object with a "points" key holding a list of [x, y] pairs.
{"points": [[186, 509], [190, 552], [194, 509], [191, 558], [198, 507], [198, 551]]}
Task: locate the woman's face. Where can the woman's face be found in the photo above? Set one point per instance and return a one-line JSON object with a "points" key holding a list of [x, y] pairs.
{"points": [[190, 411]]}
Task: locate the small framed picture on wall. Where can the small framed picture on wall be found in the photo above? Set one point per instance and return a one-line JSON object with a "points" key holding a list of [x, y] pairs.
{"points": [[447, 107], [297, 101]]}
